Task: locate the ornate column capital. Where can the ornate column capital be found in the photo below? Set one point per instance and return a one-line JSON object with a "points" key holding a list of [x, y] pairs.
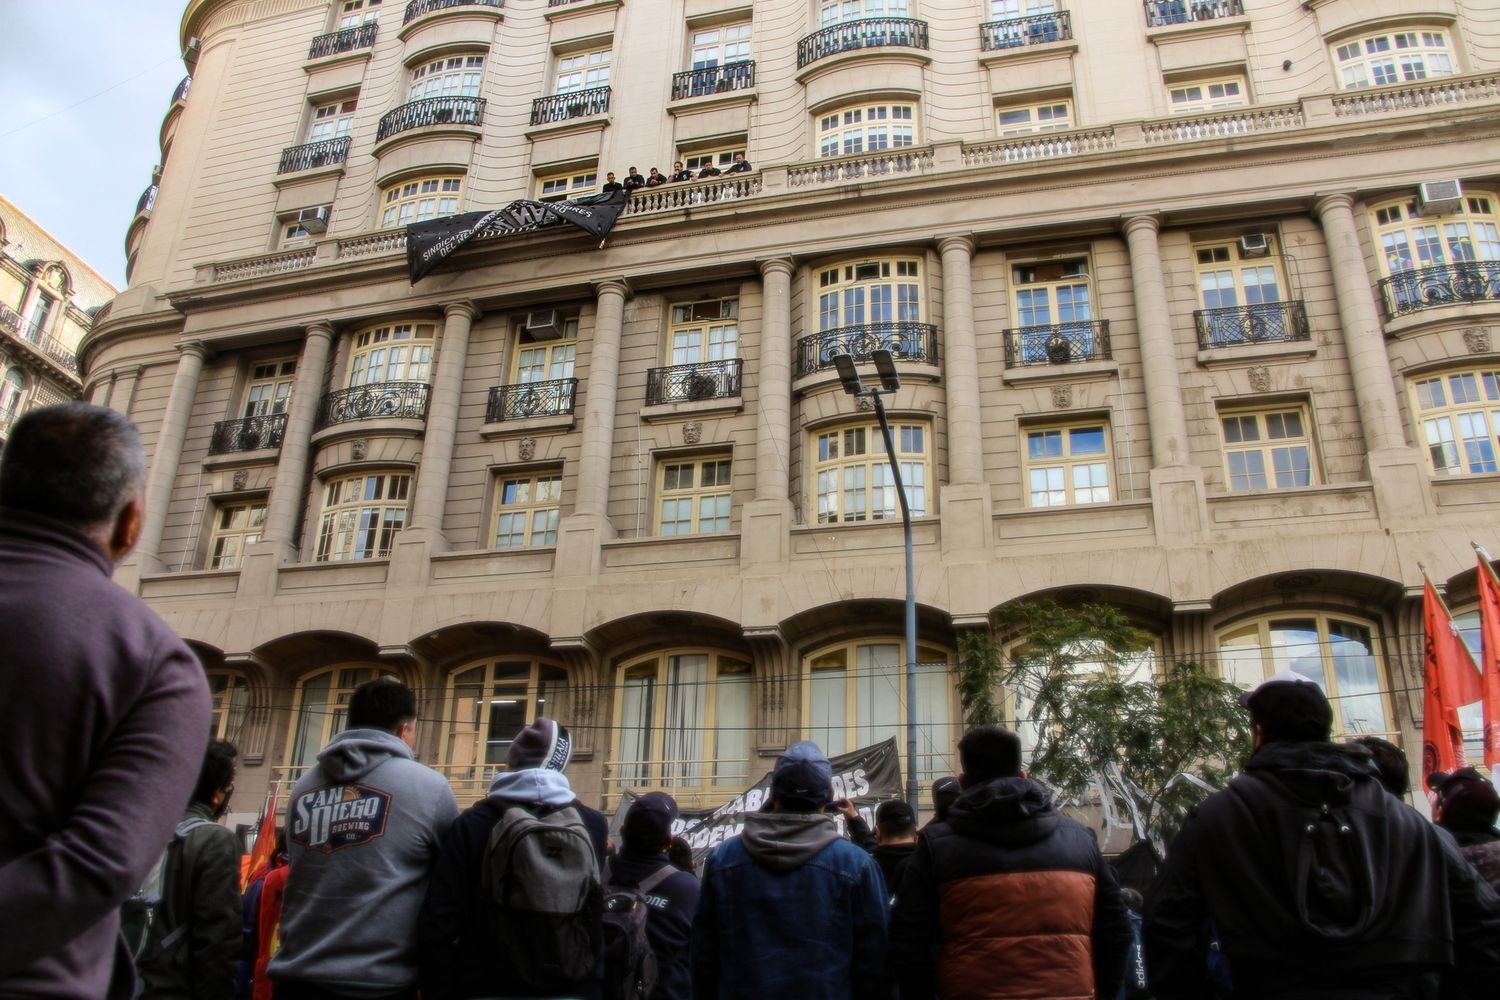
{"points": [[955, 243], [319, 328], [777, 265], [195, 348], [464, 307], [612, 286], [1327, 202], [1137, 222]]}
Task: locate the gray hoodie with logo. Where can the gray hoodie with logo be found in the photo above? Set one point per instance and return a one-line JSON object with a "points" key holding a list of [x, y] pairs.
{"points": [[363, 829]]}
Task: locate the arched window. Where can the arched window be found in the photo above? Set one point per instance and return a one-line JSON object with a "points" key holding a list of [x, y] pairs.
{"points": [[1089, 659], [682, 722], [855, 695], [1336, 652], [229, 694], [1402, 56], [322, 710], [489, 702], [398, 352]]}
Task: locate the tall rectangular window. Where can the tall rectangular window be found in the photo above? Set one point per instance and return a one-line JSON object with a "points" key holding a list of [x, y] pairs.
{"points": [[270, 387], [705, 331], [694, 495], [1267, 449], [853, 473], [332, 120], [362, 515], [1067, 464], [1459, 413], [527, 508], [582, 71], [236, 525]]}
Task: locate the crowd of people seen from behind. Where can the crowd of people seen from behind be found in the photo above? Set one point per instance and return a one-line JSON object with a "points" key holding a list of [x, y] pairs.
{"points": [[635, 180], [1309, 876]]}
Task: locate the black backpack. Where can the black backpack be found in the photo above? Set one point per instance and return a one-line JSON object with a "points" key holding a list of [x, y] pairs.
{"points": [[143, 925], [630, 970], [542, 879]]}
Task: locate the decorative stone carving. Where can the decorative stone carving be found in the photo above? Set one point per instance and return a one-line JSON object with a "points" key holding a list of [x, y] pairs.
{"points": [[1062, 396], [527, 446], [358, 449], [1260, 378], [865, 404], [241, 479], [692, 432], [1477, 339]]}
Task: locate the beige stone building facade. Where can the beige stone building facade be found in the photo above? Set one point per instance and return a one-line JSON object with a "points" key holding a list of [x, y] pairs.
{"points": [[49, 299], [1196, 308]]}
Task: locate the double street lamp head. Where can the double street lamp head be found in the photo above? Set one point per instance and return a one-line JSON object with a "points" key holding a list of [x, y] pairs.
{"points": [[885, 367]]}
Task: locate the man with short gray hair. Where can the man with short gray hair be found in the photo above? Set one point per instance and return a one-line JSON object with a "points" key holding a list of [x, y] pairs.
{"points": [[106, 710]]}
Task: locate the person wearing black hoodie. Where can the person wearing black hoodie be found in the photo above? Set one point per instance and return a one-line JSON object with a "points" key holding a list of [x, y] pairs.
{"points": [[671, 894], [457, 934], [895, 841], [1006, 898], [1311, 880]]}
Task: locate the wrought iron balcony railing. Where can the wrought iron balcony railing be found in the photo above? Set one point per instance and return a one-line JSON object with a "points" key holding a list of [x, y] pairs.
{"points": [[905, 340], [247, 434], [431, 111], [1160, 13], [382, 400], [866, 33], [690, 383], [574, 104], [1015, 32], [1057, 344], [323, 153], [530, 399], [417, 8], [1264, 323], [713, 80], [30, 333], [1440, 285], [147, 200], [180, 94], [360, 36]]}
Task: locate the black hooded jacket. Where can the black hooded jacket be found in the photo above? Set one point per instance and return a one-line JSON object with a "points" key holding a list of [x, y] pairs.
{"points": [[1007, 898], [1318, 884]]}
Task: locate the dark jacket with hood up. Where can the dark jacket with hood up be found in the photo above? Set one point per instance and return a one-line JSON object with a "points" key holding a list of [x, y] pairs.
{"points": [[1319, 884], [790, 909], [1008, 899]]}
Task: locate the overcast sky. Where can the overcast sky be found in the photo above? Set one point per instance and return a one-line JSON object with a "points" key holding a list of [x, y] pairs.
{"points": [[86, 83]]}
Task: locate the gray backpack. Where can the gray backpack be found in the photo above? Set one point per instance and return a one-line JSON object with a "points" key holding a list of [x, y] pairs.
{"points": [[152, 944], [541, 877]]}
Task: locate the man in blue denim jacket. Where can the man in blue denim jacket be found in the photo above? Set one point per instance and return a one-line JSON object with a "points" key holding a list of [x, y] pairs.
{"points": [[789, 908]]}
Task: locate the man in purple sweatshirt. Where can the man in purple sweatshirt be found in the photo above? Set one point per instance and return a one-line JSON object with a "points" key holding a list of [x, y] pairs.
{"points": [[105, 710]]}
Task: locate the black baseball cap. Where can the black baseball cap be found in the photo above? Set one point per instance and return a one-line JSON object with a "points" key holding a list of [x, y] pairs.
{"points": [[1290, 708]]}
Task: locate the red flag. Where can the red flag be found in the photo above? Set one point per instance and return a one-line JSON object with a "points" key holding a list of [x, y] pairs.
{"points": [[265, 842], [1448, 677], [1489, 637]]}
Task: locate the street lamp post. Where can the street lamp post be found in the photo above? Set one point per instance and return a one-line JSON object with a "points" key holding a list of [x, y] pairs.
{"points": [[885, 367]]}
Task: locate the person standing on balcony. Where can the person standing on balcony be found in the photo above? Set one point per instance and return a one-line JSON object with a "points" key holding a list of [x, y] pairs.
{"points": [[679, 173], [106, 710], [461, 923], [740, 165], [633, 180], [655, 178], [610, 184], [363, 828]]}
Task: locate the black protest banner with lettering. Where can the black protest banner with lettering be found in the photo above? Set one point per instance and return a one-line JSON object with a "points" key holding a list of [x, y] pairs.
{"points": [[867, 777], [429, 243]]}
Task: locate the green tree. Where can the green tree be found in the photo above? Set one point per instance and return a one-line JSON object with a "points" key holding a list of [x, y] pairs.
{"points": [[1157, 743]]}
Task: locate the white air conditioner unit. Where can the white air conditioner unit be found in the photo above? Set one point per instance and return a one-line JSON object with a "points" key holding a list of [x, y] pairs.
{"points": [[190, 51], [1440, 197], [544, 324], [1255, 245], [313, 220]]}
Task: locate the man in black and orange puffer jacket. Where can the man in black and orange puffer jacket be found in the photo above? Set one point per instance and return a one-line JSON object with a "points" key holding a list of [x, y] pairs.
{"points": [[1007, 898]]}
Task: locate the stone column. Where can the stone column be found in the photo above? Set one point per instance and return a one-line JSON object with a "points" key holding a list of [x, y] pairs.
{"points": [[168, 453], [1369, 366], [290, 490], [773, 380], [1398, 472], [1179, 504], [1158, 350], [442, 420], [961, 362], [603, 388]]}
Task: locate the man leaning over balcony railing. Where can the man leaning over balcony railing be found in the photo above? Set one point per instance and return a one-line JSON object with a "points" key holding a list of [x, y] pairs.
{"points": [[740, 165]]}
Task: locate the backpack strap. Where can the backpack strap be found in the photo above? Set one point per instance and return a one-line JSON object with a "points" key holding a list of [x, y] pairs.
{"points": [[656, 878]]}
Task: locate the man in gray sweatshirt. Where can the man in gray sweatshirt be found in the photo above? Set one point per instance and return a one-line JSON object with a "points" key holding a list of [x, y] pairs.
{"points": [[363, 829]]}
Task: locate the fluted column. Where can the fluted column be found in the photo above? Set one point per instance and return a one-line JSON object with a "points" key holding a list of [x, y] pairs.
{"points": [[1369, 366], [603, 389], [774, 382], [442, 417], [1169, 438], [961, 362], [290, 489], [168, 453]]}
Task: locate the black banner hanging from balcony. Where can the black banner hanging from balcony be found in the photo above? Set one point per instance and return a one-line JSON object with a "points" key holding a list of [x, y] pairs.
{"points": [[429, 243]]}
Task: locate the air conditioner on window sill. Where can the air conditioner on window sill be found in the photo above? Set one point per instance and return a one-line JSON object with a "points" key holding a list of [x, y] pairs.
{"points": [[544, 324], [1440, 197]]}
